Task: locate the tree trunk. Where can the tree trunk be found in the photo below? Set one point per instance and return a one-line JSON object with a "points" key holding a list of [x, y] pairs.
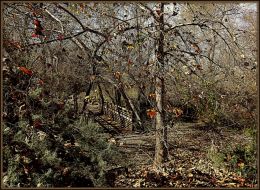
{"points": [[117, 96], [131, 105], [161, 150], [102, 98], [75, 100], [88, 90], [127, 100]]}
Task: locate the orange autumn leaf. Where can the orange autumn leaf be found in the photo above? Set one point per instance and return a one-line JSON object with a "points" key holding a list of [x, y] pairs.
{"points": [[92, 77], [41, 82], [151, 113], [178, 112], [67, 145], [25, 70], [152, 95], [117, 75], [82, 6], [196, 48], [199, 67], [158, 11]]}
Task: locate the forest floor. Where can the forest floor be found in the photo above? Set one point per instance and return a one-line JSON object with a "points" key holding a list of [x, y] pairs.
{"points": [[192, 158]]}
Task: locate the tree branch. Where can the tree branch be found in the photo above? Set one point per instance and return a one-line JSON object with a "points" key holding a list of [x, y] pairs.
{"points": [[76, 18], [81, 24], [182, 25], [143, 6], [55, 18], [55, 40]]}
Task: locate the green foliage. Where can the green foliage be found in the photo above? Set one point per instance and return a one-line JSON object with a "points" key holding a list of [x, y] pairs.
{"points": [[35, 93], [244, 161], [239, 159], [46, 148], [98, 145], [250, 132], [88, 158], [216, 158]]}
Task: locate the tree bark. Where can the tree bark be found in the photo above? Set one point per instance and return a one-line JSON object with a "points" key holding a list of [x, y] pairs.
{"points": [[75, 100], [127, 100], [131, 105], [161, 147], [102, 99], [88, 90], [117, 96]]}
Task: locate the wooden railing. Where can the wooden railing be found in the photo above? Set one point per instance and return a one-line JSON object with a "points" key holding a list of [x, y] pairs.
{"points": [[120, 114]]}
